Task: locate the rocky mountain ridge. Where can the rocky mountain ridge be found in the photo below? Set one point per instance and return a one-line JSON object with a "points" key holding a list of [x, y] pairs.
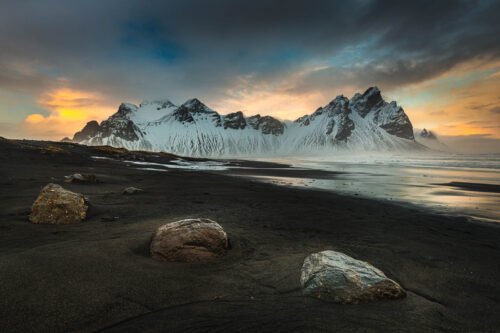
{"points": [[365, 122]]}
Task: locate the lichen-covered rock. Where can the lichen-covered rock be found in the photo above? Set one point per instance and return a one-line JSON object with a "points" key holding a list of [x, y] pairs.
{"points": [[336, 277], [56, 205], [189, 240]]}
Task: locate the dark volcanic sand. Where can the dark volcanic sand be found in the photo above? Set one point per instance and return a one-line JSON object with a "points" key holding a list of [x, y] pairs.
{"points": [[98, 276]]}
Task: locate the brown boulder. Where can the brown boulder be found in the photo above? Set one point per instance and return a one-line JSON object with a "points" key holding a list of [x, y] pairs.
{"points": [[55, 205], [189, 240]]}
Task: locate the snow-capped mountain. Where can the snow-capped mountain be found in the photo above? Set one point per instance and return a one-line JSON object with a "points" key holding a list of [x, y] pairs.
{"points": [[430, 140], [366, 122]]}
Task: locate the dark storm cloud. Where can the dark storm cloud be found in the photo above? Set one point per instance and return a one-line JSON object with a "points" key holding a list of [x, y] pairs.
{"points": [[184, 48], [385, 73], [21, 79]]}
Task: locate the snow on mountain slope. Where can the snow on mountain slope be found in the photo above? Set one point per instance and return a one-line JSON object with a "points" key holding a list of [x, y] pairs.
{"points": [[152, 110], [196, 130], [364, 123]]}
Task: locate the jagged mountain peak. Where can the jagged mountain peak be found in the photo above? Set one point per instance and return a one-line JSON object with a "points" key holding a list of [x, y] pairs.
{"points": [[239, 113], [370, 100], [427, 134], [431, 140], [87, 132], [148, 111], [340, 99], [193, 109], [339, 104], [126, 108], [235, 120], [159, 103], [266, 124], [195, 105], [372, 96], [372, 91]]}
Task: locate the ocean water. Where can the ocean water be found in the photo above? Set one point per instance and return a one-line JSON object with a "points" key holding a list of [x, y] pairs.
{"points": [[424, 180]]}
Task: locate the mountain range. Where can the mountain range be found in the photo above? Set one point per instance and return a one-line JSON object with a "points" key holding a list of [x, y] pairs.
{"points": [[366, 122]]}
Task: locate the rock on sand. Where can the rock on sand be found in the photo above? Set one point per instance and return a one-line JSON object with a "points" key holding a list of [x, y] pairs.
{"points": [[56, 205], [81, 178], [132, 190], [336, 277], [189, 240]]}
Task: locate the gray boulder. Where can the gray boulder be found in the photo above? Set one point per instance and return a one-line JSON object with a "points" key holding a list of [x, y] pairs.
{"points": [[189, 240], [336, 277], [55, 205]]}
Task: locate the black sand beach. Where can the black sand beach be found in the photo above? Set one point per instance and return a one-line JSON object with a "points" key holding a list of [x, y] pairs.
{"points": [[97, 276]]}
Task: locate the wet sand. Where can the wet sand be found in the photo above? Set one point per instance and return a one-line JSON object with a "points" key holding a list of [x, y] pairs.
{"points": [[98, 276], [475, 187]]}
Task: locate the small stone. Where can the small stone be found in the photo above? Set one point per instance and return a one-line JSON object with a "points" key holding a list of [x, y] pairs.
{"points": [[81, 178], [132, 190]]}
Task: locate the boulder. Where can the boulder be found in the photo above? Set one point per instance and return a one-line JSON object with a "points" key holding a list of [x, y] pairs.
{"points": [[55, 205], [189, 240], [80, 178], [336, 277], [132, 190]]}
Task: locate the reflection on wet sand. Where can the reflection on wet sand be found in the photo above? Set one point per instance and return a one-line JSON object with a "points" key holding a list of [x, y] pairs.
{"points": [[436, 183]]}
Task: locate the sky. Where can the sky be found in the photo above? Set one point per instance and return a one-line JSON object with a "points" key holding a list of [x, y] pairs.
{"points": [[63, 63]]}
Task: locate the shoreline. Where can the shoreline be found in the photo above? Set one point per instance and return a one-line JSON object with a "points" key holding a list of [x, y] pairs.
{"points": [[98, 275], [401, 203], [274, 180]]}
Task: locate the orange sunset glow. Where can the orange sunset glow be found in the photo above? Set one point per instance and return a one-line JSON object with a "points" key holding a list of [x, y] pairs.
{"points": [[462, 102], [68, 110]]}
